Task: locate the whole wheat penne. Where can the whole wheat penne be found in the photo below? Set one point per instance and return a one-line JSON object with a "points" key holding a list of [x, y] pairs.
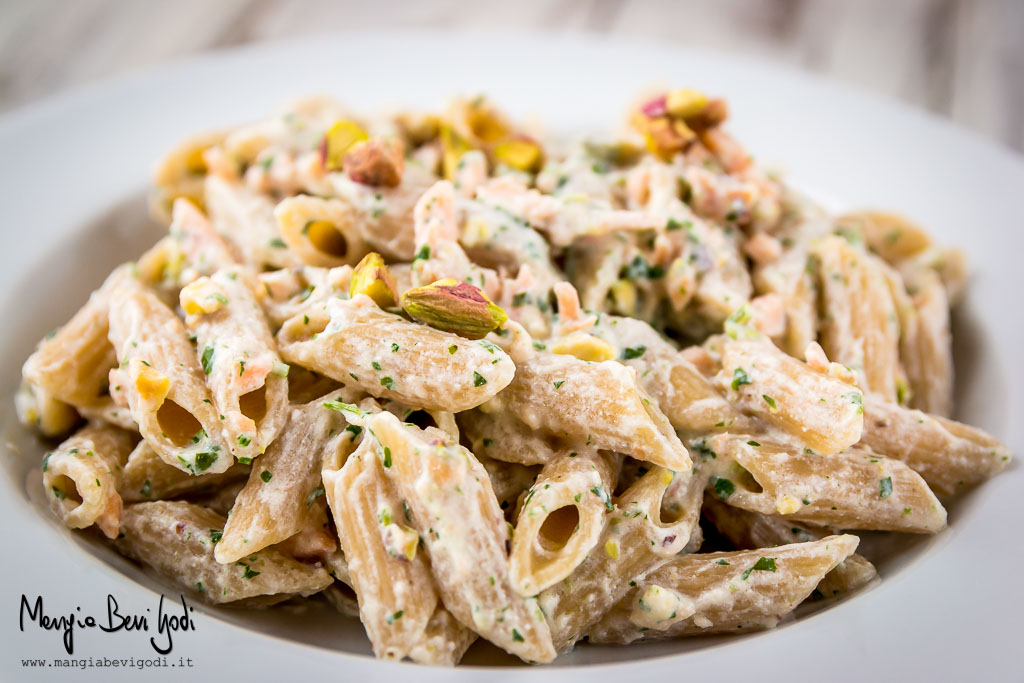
{"points": [[80, 477], [73, 364], [160, 377], [391, 578], [180, 172], [722, 592], [145, 476], [752, 530], [247, 380], [928, 353], [891, 236], [855, 489], [949, 455], [859, 326], [561, 518], [821, 411], [178, 539], [246, 219], [284, 490], [653, 519], [354, 341], [598, 403], [37, 409], [320, 232], [464, 533]]}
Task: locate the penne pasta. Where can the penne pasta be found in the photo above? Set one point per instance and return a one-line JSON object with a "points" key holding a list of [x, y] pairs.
{"points": [[859, 325], [823, 412], [80, 478], [162, 382], [455, 513], [320, 232], [600, 404], [178, 539], [145, 477], [561, 518], [722, 592], [353, 341], [503, 437], [654, 519], [950, 456], [390, 576], [284, 492], [854, 489], [246, 378]]}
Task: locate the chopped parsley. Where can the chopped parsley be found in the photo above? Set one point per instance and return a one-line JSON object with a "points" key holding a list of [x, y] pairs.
{"points": [[478, 379], [266, 476], [207, 359], [739, 378], [885, 487], [387, 382], [244, 440], [633, 352], [723, 487], [559, 383], [387, 457], [764, 564], [603, 496]]}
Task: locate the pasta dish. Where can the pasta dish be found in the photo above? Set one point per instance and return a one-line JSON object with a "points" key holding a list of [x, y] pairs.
{"points": [[462, 383]]}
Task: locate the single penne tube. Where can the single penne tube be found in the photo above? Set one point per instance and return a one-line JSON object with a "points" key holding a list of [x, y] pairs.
{"points": [[320, 232], [284, 492], [855, 489], [456, 514], [729, 592], [654, 519], [688, 398], [751, 530], [340, 593], [177, 539], [289, 292], [80, 477], [247, 380], [314, 541], [245, 218], [561, 518], [145, 476], [388, 571], [823, 412], [600, 404], [354, 341], [505, 438], [40, 411], [73, 364], [859, 326], [160, 378], [927, 353], [949, 455]]}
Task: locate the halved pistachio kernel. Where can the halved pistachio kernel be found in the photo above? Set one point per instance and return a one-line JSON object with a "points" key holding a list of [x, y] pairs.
{"points": [[521, 153], [453, 146], [584, 346], [372, 278], [454, 306], [338, 140], [685, 103], [615, 153]]}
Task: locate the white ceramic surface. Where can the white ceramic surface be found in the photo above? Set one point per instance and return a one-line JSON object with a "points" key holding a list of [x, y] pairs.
{"points": [[73, 172]]}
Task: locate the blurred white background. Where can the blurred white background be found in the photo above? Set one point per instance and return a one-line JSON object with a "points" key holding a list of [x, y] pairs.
{"points": [[962, 59]]}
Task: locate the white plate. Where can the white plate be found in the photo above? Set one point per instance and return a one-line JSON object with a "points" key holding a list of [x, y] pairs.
{"points": [[73, 170]]}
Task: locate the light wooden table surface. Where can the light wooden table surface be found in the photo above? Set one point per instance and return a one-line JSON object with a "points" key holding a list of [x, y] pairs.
{"points": [[963, 59]]}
